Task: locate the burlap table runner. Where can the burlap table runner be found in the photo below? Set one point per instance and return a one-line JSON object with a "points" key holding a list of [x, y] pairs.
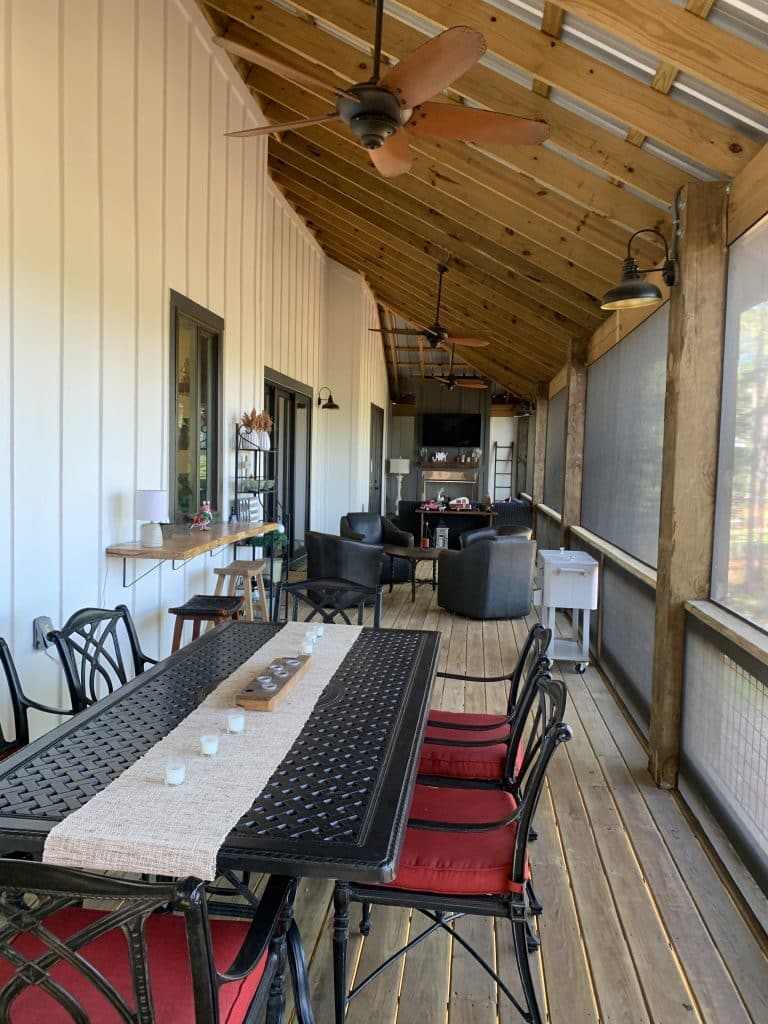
{"points": [[138, 824]]}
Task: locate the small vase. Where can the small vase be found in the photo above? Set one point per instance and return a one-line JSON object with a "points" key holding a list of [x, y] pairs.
{"points": [[263, 440]]}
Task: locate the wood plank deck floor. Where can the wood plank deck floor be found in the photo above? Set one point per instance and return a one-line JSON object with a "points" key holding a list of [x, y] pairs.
{"points": [[638, 927]]}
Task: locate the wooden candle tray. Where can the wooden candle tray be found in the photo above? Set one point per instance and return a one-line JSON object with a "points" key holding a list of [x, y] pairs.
{"points": [[270, 686]]}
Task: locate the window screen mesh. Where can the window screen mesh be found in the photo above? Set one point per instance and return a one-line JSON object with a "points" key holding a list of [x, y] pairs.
{"points": [[740, 562], [725, 739], [623, 437], [627, 616], [553, 468], [547, 533]]}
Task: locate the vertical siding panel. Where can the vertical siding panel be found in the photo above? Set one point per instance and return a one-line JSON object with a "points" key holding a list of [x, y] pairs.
{"points": [[152, 411], [176, 149], [217, 187], [119, 269], [36, 325], [199, 147], [6, 404], [82, 562], [249, 393]]}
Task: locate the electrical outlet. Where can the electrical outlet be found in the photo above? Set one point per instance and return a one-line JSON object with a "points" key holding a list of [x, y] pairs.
{"points": [[41, 627]]}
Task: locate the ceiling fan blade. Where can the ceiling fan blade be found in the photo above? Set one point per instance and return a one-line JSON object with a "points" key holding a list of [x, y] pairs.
{"points": [[288, 126], [434, 65], [408, 332], [470, 124], [440, 380], [394, 157], [469, 342], [471, 383], [277, 66]]}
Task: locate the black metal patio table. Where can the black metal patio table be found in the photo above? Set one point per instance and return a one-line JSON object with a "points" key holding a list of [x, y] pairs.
{"points": [[336, 805]]}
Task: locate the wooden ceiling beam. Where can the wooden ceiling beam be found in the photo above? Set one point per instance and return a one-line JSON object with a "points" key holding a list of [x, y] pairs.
{"points": [[551, 25], [700, 138], [564, 180], [507, 337], [430, 243], [576, 135], [418, 283], [390, 352], [553, 220], [712, 55], [486, 304], [461, 320], [453, 234]]}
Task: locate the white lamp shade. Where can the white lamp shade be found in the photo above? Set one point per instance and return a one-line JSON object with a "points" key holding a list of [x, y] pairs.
{"points": [[152, 506], [402, 466]]}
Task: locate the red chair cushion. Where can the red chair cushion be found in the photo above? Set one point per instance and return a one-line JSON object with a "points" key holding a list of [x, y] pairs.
{"points": [[479, 762], [170, 972], [464, 863], [499, 726]]}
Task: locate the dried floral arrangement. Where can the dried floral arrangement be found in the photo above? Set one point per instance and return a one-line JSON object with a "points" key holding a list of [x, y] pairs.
{"points": [[257, 420]]}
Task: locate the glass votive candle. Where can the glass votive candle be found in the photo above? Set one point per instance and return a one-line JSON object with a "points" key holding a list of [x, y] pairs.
{"points": [[174, 771], [235, 720], [319, 629], [209, 742], [306, 648]]}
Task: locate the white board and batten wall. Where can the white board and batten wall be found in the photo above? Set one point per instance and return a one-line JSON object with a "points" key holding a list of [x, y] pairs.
{"points": [[118, 185]]}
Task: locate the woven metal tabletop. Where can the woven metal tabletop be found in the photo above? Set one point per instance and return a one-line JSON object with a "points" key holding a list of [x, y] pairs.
{"points": [[338, 799]]}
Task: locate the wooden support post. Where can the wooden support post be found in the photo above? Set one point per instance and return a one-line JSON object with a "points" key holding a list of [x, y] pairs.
{"points": [[573, 449], [689, 462], [539, 447]]}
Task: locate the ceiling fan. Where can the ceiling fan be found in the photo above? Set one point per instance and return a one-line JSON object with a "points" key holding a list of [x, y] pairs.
{"points": [[452, 381], [436, 334], [376, 111]]}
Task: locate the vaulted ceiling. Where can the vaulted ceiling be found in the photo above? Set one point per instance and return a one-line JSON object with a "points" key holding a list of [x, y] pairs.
{"points": [[640, 99]]}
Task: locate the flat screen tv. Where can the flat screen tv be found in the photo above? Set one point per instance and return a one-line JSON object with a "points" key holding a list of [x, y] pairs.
{"points": [[451, 429]]}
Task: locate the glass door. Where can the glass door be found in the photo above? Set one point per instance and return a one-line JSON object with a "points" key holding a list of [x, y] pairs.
{"points": [[291, 412]]}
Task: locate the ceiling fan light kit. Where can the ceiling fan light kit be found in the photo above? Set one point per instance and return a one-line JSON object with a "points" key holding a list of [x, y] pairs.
{"points": [[381, 111]]}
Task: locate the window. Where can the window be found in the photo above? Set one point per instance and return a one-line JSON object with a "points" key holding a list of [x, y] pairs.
{"points": [[195, 433], [740, 558], [623, 437]]}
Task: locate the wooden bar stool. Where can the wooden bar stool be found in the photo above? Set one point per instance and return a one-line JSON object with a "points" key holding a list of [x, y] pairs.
{"points": [[203, 608], [251, 572]]}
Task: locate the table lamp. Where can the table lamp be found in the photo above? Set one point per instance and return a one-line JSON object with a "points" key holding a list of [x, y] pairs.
{"points": [[399, 468], [152, 509]]}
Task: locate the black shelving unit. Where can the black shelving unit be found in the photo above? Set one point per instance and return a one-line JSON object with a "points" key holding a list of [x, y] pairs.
{"points": [[255, 498]]}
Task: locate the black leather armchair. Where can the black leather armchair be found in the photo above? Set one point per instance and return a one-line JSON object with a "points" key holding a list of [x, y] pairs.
{"points": [[332, 560], [368, 528], [486, 532], [490, 578]]}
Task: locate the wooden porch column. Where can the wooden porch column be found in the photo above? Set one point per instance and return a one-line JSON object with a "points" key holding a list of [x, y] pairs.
{"points": [[539, 446], [573, 450], [689, 461]]}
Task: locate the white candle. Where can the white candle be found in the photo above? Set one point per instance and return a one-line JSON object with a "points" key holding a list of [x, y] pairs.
{"points": [[175, 771], [306, 647], [209, 742], [235, 720]]}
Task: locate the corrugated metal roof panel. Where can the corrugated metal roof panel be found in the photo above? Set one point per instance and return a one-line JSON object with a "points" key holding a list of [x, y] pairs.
{"points": [[747, 19], [609, 49], [720, 106], [671, 156]]}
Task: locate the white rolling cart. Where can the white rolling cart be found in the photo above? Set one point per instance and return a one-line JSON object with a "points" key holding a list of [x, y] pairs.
{"points": [[567, 579]]}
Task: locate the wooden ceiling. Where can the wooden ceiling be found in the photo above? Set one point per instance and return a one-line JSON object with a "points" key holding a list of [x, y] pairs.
{"points": [[640, 99]]}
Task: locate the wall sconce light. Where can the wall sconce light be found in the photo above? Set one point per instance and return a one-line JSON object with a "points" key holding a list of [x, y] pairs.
{"points": [[329, 402], [634, 290]]}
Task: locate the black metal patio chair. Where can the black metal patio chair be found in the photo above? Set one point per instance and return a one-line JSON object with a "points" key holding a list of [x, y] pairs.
{"points": [[330, 601], [142, 952], [99, 650], [467, 745], [468, 856], [20, 705]]}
